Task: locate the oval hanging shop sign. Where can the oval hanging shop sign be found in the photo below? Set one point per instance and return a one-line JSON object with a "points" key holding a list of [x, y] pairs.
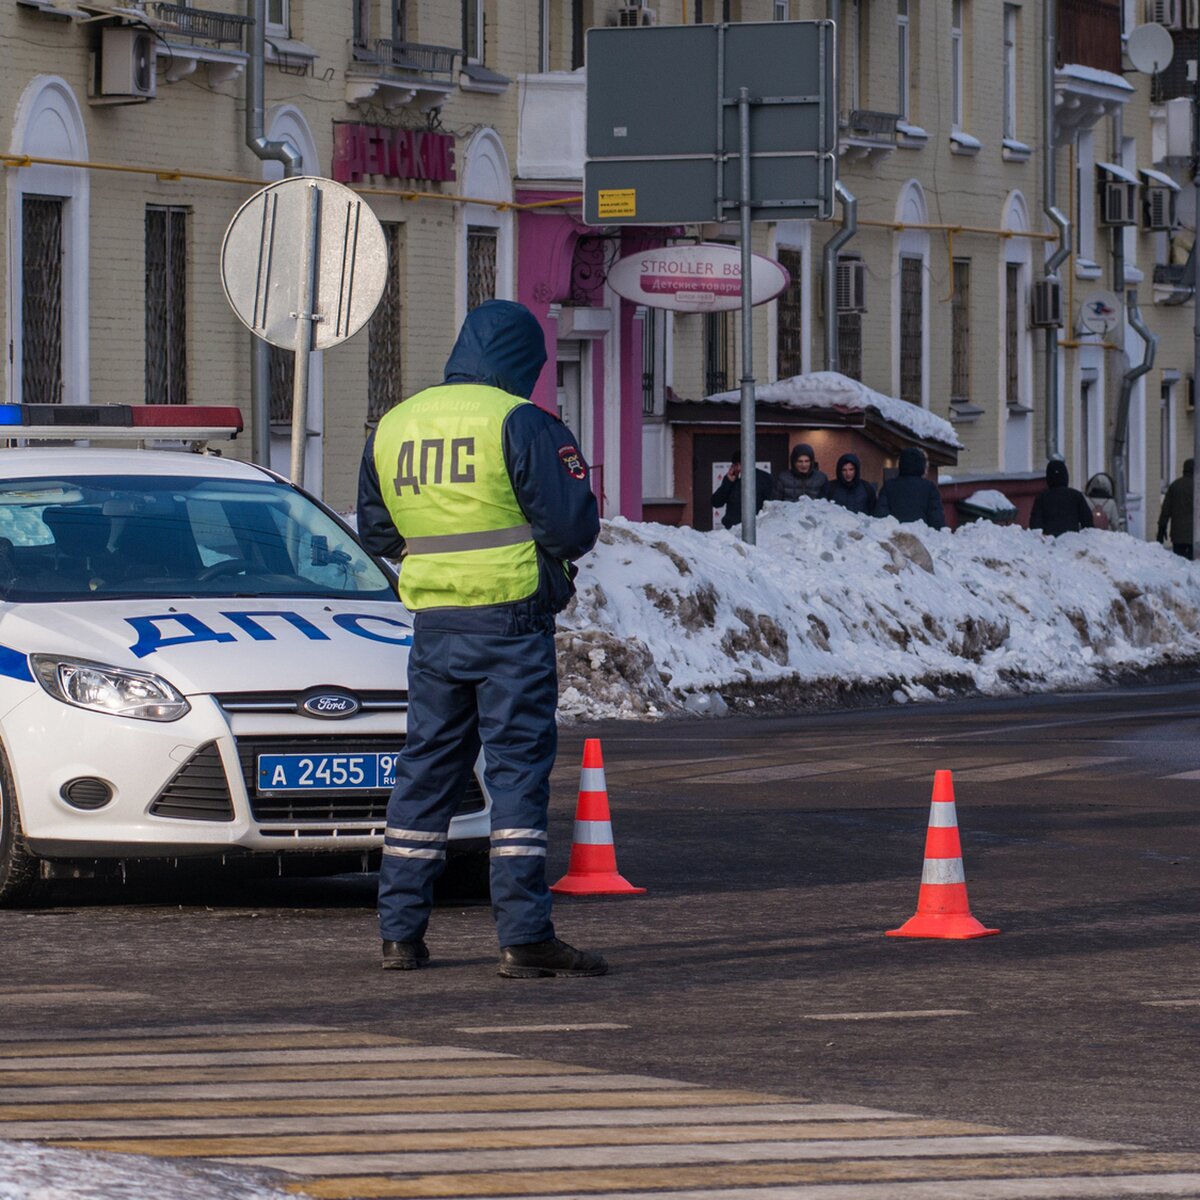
{"points": [[697, 278]]}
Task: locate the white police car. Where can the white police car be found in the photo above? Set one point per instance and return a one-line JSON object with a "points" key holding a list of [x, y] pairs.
{"points": [[196, 659]]}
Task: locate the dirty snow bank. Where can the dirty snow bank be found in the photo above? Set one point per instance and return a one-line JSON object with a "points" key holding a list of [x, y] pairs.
{"points": [[834, 607]]}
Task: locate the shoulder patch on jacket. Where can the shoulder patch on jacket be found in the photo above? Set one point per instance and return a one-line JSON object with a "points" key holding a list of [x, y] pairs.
{"points": [[570, 458]]}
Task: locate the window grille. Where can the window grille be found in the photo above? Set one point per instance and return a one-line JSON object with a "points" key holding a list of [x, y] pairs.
{"points": [[789, 356], [912, 272], [1010, 71], [42, 299], [384, 377], [282, 365], [481, 265], [166, 305], [1012, 343], [716, 352], [649, 360], [960, 333], [850, 344]]}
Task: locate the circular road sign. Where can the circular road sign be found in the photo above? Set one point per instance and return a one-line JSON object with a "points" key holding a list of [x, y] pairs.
{"points": [[1150, 49], [266, 272]]}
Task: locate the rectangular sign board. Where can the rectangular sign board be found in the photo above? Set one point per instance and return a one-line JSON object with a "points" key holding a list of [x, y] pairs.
{"points": [[663, 138]]}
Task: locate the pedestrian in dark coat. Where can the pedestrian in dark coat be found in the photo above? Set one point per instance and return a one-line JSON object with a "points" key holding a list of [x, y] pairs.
{"points": [[729, 492], [848, 488], [1176, 511], [802, 478], [1060, 508], [910, 496]]}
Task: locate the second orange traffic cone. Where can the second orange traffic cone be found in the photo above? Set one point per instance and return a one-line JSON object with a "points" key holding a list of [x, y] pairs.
{"points": [[942, 909], [592, 870]]}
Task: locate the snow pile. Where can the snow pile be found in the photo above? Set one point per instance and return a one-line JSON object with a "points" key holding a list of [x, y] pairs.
{"points": [[32, 1172], [832, 607], [990, 500], [829, 389]]}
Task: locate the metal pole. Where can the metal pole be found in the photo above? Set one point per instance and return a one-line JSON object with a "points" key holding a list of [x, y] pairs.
{"points": [[749, 449], [305, 319]]}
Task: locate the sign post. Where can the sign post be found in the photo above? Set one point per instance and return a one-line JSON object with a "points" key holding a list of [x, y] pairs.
{"points": [[661, 152]]}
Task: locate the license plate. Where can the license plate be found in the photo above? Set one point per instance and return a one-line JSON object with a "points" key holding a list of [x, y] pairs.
{"points": [[326, 772]]}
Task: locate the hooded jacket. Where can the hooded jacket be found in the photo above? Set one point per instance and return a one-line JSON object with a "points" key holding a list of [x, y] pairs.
{"points": [[858, 496], [501, 346], [729, 496], [910, 496], [1176, 513], [1060, 508], [791, 485], [1099, 492]]}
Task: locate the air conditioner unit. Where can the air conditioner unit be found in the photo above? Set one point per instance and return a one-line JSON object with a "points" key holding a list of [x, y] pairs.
{"points": [[1046, 304], [126, 67], [633, 15], [1191, 14], [1163, 12], [1158, 207], [851, 285], [1118, 202]]}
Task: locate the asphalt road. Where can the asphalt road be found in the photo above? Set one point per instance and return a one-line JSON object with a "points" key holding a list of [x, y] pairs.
{"points": [[775, 853]]}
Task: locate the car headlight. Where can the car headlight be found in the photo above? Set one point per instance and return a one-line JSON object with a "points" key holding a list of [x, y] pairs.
{"points": [[112, 690]]}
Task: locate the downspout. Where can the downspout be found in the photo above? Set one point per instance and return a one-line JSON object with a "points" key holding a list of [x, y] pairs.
{"points": [[268, 151], [1050, 208], [832, 247]]}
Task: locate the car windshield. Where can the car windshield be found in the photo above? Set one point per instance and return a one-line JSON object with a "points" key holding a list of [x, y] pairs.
{"points": [[103, 537]]}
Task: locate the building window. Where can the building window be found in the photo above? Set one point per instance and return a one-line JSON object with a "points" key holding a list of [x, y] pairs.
{"points": [[473, 31], [849, 333], [654, 361], [399, 20], [384, 334], [282, 367], [960, 333], [958, 115], [481, 265], [781, 10], [362, 24], [166, 305], [544, 35], [912, 288], [1166, 433], [42, 299], [1011, 12], [716, 352], [902, 63], [789, 350], [278, 16], [698, 11], [578, 28], [1012, 333]]}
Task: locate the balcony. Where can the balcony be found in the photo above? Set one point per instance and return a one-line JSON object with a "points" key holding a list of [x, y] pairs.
{"points": [[1088, 84], [867, 133], [395, 74], [198, 24], [1173, 282]]}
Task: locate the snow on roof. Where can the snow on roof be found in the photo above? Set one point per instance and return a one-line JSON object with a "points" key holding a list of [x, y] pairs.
{"points": [[1094, 75], [828, 389], [990, 500]]}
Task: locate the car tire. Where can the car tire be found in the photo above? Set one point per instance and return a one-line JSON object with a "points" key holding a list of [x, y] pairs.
{"points": [[18, 867]]}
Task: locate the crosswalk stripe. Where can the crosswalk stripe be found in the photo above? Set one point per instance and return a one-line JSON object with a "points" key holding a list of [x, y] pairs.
{"points": [[417, 1121], [389, 1052], [272, 1037], [498, 1139], [662, 1156], [769, 1181]]}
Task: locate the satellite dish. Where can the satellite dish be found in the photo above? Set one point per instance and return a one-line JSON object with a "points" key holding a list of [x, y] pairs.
{"points": [[1150, 49]]}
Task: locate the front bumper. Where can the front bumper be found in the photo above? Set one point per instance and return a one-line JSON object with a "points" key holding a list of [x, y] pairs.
{"points": [[188, 788]]}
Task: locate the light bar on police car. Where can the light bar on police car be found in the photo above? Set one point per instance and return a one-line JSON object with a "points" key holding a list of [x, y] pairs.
{"points": [[126, 422]]}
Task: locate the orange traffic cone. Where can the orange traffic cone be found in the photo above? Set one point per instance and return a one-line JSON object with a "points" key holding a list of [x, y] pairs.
{"points": [[942, 909], [592, 870]]}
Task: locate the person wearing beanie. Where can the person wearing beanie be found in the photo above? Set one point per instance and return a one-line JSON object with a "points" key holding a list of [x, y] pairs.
{"points": [[802, 478], [1060, 508], [910, 496], [848, 488], [1176, 514]]}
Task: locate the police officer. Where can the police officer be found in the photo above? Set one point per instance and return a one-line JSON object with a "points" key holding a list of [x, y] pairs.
{"points": [[486, 497]]}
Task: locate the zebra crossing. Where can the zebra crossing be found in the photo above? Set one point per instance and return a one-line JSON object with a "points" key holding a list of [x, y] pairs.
{"points": [[342, 1115]]}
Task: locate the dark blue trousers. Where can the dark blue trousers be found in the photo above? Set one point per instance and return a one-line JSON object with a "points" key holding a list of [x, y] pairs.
{"points": [[494, 684]]}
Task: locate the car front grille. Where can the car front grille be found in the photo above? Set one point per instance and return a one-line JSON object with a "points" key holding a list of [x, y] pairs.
{"points": [[198, 791], [289, 702]]}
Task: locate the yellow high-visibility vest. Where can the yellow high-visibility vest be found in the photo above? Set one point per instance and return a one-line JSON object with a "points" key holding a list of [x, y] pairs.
{"points": [[440, 460]]}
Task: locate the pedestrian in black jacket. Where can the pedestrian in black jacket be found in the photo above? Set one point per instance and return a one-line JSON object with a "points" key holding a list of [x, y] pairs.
{"points": [[1177, 511], [1060, 508], [729, 493], [848, 488], [910, 496], [802, 478]]}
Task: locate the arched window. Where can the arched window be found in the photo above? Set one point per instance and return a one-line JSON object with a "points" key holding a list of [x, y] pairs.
{"points": [[485, 232], [910, 298], [48, 263]]}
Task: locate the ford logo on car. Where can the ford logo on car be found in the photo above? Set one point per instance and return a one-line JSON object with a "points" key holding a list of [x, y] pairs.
{"points": [[330, 705]]}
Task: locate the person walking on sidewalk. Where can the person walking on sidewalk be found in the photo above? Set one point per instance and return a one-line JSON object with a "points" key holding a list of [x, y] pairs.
{"points": [[486, 496], [1060, 508], [1176, 513]]}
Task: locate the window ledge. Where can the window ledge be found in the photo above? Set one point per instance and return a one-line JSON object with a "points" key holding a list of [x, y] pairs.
{"points": [[474, 77], [910, 137], [1086, 269], [963, 412], [857, 148], [56, 12], [1019, 410], [1013, 151], [280, 47], [964, 143], [1133, 274]]}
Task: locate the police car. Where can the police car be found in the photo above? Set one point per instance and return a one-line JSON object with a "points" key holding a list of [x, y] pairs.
{"points": [[196, 659]]}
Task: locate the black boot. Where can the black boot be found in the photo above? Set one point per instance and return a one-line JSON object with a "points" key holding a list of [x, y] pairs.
{"points": [[404, 956], [538, 959]]}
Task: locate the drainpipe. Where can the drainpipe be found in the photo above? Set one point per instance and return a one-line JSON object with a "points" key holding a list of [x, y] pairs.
{"points": [[268, 151], [1050, 202], [832, 247]]}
